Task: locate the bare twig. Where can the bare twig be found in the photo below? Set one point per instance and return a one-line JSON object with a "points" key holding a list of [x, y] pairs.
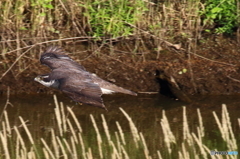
{"points": [[19, 57], [178, 47], [50, 41], [236, 80], [7, 103], [191, 70], [222, 63]]}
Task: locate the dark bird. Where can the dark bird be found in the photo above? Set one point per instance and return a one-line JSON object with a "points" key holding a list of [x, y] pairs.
{"points": [[73, 79]]}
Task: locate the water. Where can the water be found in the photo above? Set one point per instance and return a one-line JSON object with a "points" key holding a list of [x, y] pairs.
{"points": [[145, 111]]}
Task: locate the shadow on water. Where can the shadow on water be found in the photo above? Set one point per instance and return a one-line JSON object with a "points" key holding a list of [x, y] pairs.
{"points": [[145, 111]]}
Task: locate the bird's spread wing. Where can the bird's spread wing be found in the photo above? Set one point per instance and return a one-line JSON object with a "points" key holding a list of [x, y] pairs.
{"points": [[82, 91]]}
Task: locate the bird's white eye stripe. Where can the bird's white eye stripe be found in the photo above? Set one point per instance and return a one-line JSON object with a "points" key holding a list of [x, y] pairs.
{"points": [[59, 57], [46, 76], [46, 57], [65, 58]]}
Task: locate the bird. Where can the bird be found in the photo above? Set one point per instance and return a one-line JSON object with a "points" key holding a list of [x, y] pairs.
{"points": [[74, 80]]}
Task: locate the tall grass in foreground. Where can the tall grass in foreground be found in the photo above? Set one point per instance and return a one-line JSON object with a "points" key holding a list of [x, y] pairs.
{"points": [[68, 141]]}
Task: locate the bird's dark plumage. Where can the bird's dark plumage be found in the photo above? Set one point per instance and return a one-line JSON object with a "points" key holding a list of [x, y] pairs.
{"points": [[72, 78]]}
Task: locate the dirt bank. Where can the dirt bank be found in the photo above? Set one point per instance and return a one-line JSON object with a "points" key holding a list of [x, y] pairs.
{"points": [[211, 68]]}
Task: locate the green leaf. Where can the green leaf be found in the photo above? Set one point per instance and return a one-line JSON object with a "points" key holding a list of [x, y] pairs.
{"points": [[49, 6], [42, 14], [23, 28], [216, 10]]}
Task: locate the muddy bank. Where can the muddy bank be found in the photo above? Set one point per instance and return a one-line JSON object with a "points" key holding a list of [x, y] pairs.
{"points": [[211, 68]]}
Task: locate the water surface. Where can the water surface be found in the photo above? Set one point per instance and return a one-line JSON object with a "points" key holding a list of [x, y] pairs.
{"points": [[145, 111]]}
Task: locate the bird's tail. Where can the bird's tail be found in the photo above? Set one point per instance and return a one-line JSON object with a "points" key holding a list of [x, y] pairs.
{"points": [[114, 88], [111, 87]]}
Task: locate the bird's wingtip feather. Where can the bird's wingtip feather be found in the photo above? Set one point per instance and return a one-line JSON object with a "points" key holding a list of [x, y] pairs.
{"points": [[54, 49]]}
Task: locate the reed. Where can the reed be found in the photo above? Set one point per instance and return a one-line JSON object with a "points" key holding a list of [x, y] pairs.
{"points": [[67, 139], [169, 137], [226, 128]]}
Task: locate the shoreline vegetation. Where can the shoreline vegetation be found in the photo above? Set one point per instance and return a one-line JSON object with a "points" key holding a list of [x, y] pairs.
{"points": [[133, 33], [191, 46], [66, 138]]}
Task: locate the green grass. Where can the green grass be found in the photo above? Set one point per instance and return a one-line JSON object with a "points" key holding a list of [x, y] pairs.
{"points": [[113, 18], [67, 139]]}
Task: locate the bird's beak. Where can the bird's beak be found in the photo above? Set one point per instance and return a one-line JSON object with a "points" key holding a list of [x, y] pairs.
{"points": [[38, 78]]}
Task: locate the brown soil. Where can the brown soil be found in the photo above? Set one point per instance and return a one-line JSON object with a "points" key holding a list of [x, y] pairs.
{"points": [[212, 69]]}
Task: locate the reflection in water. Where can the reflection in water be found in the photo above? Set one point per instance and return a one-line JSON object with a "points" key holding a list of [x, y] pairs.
{"points": [[145, 110]]}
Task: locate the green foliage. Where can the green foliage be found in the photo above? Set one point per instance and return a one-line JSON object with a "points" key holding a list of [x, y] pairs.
{"points": [[222, 13], [42, 5], [113, 18]]}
